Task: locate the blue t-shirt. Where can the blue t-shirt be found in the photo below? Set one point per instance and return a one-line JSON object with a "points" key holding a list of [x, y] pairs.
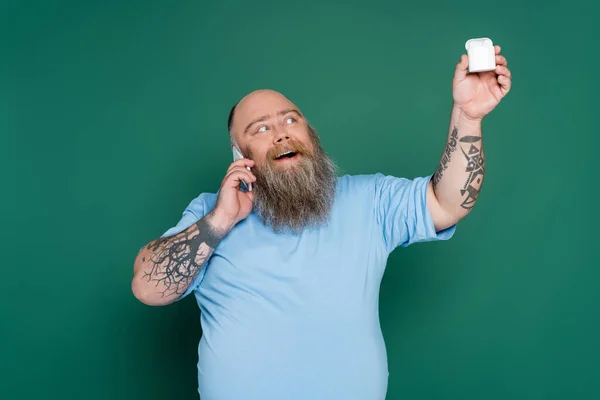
{"points": [[295, 316]]}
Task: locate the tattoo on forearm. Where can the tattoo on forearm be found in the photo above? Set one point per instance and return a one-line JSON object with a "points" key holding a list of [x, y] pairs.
{"points": [[443, 165], [475, 168], [176, 261]]}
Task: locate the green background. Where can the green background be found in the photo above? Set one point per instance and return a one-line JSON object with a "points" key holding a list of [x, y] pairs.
{"points": [[113, 117]]}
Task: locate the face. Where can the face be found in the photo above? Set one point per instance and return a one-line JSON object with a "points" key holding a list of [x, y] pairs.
{"points": [[295, 179], [270, 129]]}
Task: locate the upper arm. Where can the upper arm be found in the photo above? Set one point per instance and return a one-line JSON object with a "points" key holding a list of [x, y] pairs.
{"points": [[403, 211], [442, 219]]}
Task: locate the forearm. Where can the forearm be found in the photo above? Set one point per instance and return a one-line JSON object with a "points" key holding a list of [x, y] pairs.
{"points": [[459, 175], [166, 267]]}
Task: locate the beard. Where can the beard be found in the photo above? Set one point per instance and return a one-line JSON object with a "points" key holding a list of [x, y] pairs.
{"points": [[297, 196]]}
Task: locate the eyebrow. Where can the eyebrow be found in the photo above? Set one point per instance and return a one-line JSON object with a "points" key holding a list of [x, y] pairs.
{"points": [[265, 117]]}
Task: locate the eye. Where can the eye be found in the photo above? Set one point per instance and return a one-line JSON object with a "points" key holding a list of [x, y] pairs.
{"points": [[261, 128], [288, 119]]}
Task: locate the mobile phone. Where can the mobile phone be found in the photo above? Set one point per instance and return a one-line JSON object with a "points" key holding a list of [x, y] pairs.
{"points": [[237, 154]]}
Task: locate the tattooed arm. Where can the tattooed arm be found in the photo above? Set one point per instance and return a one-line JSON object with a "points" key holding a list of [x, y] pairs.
{"points": [[455, 186], [165, 268], [457, 181]]}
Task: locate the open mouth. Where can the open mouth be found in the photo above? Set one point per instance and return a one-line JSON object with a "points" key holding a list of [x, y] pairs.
{"points": [[286, 156]]}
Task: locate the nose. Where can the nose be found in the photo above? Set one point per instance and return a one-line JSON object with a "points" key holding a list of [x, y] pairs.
{"points": [[281, 136]]}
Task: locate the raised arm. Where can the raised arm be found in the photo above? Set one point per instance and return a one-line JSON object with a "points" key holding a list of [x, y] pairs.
{"points": [[456, 184], [453, 191]]}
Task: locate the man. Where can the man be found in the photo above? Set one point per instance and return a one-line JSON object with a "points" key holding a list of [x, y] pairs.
{"points": [[287, 275]]}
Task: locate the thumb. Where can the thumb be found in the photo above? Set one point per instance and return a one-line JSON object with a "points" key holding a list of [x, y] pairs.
{"points": [[461, 68]]}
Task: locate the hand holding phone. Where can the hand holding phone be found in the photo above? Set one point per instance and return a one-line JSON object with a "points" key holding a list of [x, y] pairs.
{"points": [[233, 204], [237, 154]]}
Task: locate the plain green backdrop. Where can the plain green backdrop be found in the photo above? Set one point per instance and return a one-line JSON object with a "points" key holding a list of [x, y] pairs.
{"points": [[113, 117]]}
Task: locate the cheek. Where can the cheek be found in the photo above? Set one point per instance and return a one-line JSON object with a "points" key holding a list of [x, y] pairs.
{"points": [[258, 155], [301, 134], [308, 143]]}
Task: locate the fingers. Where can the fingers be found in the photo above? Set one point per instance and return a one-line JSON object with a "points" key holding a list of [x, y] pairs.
{"points": [[240, 169], [242, 162], [463, 65], [504, 78], [502, 70], [237, 174], [504, 74], [501, 60], [505, 83]]}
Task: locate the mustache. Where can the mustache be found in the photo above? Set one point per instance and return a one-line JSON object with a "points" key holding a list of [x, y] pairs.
{"points": [[290, 145]]}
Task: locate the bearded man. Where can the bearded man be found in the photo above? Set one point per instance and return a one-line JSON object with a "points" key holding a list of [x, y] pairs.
{"points": [[287, 274]]}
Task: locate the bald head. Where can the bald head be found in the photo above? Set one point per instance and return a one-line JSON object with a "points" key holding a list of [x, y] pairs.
{"points": [[256, 106]]}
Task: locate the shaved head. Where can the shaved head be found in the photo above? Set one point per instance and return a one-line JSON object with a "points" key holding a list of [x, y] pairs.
{"points": [[253, 103]]}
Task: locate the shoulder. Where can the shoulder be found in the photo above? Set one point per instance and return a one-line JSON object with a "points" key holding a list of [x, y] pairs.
{"points": [[348, 180], [202, 204], [363, 181], [358, 189]]}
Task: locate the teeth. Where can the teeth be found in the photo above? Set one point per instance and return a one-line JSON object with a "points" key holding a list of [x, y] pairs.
{"points": [[283, 154]]}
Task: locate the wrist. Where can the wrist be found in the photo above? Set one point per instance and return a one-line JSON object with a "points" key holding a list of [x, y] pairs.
{"points": [[220, 222], [462, 118]]}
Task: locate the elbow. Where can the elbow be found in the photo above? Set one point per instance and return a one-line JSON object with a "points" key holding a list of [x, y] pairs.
{"points": [[140, 291], [146, 293], [143, 289]]}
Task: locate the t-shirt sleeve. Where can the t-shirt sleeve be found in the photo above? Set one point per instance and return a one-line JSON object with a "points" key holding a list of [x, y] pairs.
{"points": [[192, 214], [402, 212]]}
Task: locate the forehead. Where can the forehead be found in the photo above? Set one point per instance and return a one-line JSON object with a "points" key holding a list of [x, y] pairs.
{"points": [[260, 104]]}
